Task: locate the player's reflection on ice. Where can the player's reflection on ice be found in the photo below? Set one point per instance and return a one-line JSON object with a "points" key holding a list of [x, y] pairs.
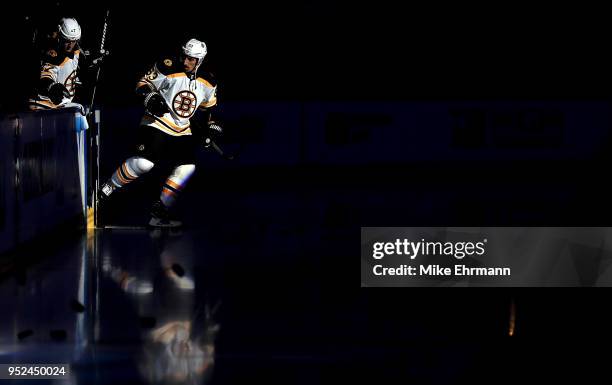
{"points": [[140, 282], [180, 332]]}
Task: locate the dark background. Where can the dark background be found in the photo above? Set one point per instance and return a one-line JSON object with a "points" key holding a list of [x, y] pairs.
{"points": [[346, 50], [359, 52]]}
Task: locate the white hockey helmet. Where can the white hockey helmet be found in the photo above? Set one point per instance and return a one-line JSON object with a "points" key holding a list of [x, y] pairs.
{"points": [[196, 49], [69, 29]]}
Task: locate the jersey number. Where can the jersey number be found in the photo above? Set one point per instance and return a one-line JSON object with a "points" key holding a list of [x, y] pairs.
{"points": [[152, 74]]}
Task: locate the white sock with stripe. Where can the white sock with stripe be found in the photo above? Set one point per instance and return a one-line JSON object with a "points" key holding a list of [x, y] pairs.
{"points": [[130, 170], [175, 183]]}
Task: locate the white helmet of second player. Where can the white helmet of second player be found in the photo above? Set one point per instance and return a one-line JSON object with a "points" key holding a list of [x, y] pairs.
{"points": [[69, 29]]}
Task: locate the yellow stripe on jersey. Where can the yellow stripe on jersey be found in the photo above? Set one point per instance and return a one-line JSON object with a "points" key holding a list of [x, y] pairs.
{"points": [[38, 107], [147, 83], [177, 75], [166, 125], [171, 125], [42, 104], [168, 131], [207, 84], [64, 62], [208, 104], [67, 58]]}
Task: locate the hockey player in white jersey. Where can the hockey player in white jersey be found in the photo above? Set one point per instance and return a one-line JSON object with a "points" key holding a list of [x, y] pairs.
{"points": [[59, 69], [63, 65], [172, 93]]}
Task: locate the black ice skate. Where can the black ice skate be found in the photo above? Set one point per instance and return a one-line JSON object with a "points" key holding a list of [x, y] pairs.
{"points": [[104, 193], [103, 196], [160, 217]]}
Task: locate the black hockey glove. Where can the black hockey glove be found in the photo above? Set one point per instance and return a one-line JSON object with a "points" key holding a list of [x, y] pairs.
{"points": [[96, 62], [215, 130], [92, 61], [156, 104], [57, 92]]}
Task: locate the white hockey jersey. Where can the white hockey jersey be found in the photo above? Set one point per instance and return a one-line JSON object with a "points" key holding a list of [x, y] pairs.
{"points": [[183, 93], [60, 69]]}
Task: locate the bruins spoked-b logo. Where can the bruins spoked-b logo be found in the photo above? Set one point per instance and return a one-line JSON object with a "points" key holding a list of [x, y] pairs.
{"points": [[70, 83], [184, 104]]}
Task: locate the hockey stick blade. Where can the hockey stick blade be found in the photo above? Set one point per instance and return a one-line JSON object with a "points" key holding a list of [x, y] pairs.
{"points": [[219, 151]]}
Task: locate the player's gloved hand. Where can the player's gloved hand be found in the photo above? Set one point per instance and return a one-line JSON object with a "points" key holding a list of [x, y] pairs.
{"points": [[213, 133], [97, 60], [57, 92], [156, 104], [215, 130], [207, 142]]}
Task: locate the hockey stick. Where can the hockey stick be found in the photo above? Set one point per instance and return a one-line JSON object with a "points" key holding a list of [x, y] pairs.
{"points": [[96, 214], [210, 143], [102, 52]]}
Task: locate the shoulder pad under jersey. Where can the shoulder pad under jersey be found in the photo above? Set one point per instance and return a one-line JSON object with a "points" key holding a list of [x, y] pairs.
{"points": [[168, 66], [208, 77], [51, 56]]}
